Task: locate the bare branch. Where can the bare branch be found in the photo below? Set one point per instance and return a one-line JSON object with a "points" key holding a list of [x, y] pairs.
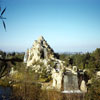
{"points": [[4, 24], [3, 11]]}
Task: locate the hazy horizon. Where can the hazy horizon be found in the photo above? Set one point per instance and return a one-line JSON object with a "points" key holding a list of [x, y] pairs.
{"points": [[66, 25]]}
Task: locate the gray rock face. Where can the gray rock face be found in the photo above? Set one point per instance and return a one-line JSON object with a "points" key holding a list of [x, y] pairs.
{"points": [[70, 82]]}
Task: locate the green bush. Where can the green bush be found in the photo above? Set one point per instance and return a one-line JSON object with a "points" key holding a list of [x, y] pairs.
{"points": [[93, 90]]}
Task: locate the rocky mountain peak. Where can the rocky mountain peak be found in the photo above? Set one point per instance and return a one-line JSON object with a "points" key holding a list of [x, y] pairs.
{"points": [[39, 51], [41, 43], [41, 38]]}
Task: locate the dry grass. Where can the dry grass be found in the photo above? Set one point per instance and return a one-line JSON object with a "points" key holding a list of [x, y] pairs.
{"points": [[33, 92]]}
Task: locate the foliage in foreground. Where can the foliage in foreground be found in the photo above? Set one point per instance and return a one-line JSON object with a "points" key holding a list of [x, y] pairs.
{"points": [[33, 92], [93, 90]]}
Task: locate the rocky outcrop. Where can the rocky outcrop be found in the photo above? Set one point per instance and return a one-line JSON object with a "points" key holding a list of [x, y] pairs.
{"points": [[39, 51], [57, 78], [83, 86], [42, 59], [12, 72], [98, 73]]}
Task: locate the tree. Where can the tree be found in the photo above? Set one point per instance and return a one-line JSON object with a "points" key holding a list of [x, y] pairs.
{"points": [[93, 90], [96, 55]]}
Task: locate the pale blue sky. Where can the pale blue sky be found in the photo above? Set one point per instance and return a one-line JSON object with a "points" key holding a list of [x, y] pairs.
{"points": [[67, 25]]}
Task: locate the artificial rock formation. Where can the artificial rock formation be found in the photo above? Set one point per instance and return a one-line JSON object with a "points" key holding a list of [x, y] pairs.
{"points": [[98, 73], [42, 59], [40, 50], [83, 86], [57, 78]]}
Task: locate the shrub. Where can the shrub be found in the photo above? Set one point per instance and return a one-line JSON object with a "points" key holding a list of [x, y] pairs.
{"points": [[94, 90]]}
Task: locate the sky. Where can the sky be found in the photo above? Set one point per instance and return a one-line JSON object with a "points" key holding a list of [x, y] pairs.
{"points": [[67, 25]]}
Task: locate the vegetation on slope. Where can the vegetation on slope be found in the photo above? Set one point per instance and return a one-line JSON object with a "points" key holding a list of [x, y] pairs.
{"points": [[24, 82]]}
